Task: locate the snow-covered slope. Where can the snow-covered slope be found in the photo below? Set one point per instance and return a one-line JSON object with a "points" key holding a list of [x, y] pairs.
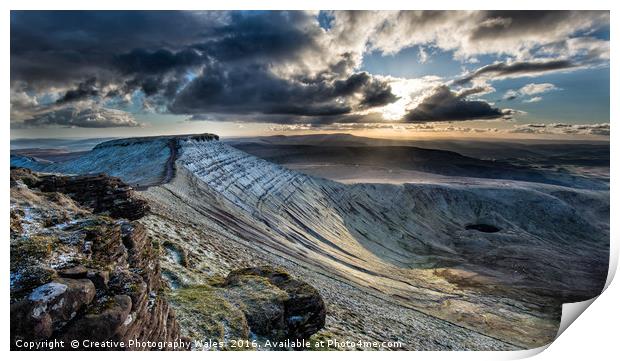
{"points": [[418, 225], [139, 161], [405, 240]]}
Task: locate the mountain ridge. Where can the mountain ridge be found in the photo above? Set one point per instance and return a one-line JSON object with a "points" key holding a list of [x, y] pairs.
{"points": [[408, 243]]}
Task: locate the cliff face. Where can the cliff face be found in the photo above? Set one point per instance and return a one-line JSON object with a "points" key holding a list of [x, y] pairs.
{"points": [[80, 269]]}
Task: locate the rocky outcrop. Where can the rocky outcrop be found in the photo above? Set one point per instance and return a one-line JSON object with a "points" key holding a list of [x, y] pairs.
{"points": [[80, 269], [262, 304], [296, 313], [99, 192]]}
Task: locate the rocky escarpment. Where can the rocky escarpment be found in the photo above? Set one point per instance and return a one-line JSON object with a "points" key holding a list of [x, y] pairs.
{"points": [[83, 268], [101, 193], [81, 272]]}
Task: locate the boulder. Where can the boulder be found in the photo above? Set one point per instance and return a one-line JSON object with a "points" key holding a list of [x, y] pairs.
{"points": [[103, 322], [98, 277], [302, 307], [50, 307], [206, 314]]}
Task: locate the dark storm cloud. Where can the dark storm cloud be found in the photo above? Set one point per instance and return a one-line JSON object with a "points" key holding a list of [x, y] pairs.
{"points": [[62, 47], [502, 24], [510, 97], [92, 117], [242, 80], [253, 89], [514, 69], [160, 71], [446, 105], [59, 47], [273, 34], [156, 62], [234, 62], [375, 92], [84, 90]]}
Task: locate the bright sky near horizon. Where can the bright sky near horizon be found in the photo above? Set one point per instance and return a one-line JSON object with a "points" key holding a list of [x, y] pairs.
{"points": [[513, 74]]}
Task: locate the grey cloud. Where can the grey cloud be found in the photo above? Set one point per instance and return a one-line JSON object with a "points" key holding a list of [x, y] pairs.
{"points": [[510, 97], [91, 117], [158, 61], [158, 74], [602, 129], [446, 105], [254, 89], [84, 90], [22, 104], [520, 34], [517, 69], [529, 90], [534, 23], [482, 89]]}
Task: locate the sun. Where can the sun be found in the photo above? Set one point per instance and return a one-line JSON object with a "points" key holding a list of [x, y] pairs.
{"points": [[410, 93]]}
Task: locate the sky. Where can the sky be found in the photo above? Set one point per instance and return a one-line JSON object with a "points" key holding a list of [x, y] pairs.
{"points": [[402, 74]]}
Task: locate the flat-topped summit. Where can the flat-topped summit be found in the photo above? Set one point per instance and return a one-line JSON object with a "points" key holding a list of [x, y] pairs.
{"points": [[140, 162], [158, 138]]}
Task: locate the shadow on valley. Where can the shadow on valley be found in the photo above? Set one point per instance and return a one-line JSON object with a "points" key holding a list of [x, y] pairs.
{"points": [[446, 163], [534, 239]]}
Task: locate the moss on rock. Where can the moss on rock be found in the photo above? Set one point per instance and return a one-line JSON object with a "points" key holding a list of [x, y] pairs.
{"points": [[31, 249], [205, 315]]}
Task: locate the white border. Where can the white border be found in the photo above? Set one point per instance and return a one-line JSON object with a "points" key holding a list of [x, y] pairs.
{"points": [[592, 336]]}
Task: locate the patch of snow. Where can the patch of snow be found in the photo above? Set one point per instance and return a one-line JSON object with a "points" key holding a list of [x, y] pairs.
{"points": [[128, 320], [62, 260], [30, 221], [47, 292], [59, 304], [15, 277]]}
